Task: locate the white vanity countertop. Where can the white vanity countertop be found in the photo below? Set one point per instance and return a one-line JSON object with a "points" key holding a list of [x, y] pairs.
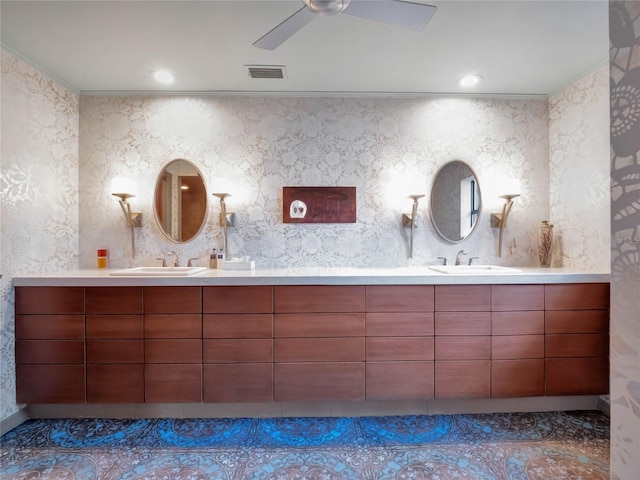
{"points": [[314, 276]]}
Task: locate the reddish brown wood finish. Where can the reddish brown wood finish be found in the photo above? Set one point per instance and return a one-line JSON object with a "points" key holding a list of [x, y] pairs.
{"points": [[577, 376], [245, 299], [462, 348], [114, 300], [248, 382], [172, 300], [399, 348], [50, 384], [114, 326], [517, 323], [399, 298], [173, 351], [49, 351], [50, 327], [463, 323], [462, 298], [49, 300], [399, 324], [115, 383], [319, 381], [577, 345], [237, 326], [319, 298], [324, 204], [347, 349], [232, 350], [517, 378], [581, 296], [399, 380], [517, 347], [517, 297], [173, 383], [319, 325], [173, 326], [577, 321], [463, 379], [115, 351]]}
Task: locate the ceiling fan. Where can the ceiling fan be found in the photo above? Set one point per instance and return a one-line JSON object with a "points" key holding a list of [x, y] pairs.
{"points": [[414, 16]]}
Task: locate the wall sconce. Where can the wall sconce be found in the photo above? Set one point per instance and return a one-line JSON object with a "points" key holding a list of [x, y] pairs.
{"points": [[409, 220], [499, 220], [119, 187], [227, 219]]}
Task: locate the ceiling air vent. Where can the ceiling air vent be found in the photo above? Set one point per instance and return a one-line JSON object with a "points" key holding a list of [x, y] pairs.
{"points": [[266, 71]]}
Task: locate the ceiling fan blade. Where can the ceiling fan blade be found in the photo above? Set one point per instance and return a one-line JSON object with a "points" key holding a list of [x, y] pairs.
{"points": [[274, 38], [414, 16]]}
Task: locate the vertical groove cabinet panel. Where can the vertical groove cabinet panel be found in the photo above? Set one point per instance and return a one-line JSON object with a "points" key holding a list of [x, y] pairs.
{"points": [[115, 346], [245, 299], [517, 323], [400, 324], [245, 325], [319, 325], [462, 323], [577, 296], [50, 383], [319, 298], [517, 378], [399, 380], [506, 298], [173, 383], [296, 382], [239, 382], [463, 379], [399, 298], [49, 352], [346, 349], [50, 327], [577, 321], [463, 298], [577, 376], [49, 300], [172, 300]]}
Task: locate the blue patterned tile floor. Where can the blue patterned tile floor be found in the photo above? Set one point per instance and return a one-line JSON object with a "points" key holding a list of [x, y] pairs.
{"points": [[513, 446]]}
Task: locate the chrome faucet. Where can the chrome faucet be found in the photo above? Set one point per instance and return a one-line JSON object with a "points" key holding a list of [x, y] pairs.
{"points": [[460, 253], [444, 260], [470, 262], [191, 260], [175, 256]]}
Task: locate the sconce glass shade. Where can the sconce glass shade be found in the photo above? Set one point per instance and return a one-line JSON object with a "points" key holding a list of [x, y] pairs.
{"points": [[123, 186]]}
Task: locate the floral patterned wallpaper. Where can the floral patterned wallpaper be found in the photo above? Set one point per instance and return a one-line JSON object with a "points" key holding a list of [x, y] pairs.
{"points": [[38, 190], [624, 33]]}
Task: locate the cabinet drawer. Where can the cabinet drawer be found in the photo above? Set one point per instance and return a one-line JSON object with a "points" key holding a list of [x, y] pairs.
{"points": [[399, 298], [399, 380], [115, 383], [237, 326], [114, 326], [173, 326], [517, 297], [463, 323], [115, 351], [399, 324], [579, 296], [577, 321], [399, 348], [319, 381], [462, 298], [50, 327], [517, 323], [233, 350], [319, 298], [517, 378], [50, 384], [249, 299], [173, 383], [49, 351], [49, 300], [173, 351], [577, 345], [350, 349], [172, 299], [462, 348], [577, 376], [517, 347], [319, 325], [463, 379], [114, 300], [249, 382]]}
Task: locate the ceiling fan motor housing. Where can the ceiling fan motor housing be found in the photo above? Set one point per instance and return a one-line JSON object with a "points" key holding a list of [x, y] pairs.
{"points": [[327, 7]]}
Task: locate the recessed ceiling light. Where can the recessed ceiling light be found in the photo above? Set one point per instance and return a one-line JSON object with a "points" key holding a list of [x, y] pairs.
{"points": [[163, 76], [470, 80]]}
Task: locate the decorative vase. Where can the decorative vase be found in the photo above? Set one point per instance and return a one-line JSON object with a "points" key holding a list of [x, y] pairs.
{"points": [[545, 241]]}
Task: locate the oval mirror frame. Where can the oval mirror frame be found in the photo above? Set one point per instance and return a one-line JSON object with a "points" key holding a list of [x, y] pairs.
{"points": [[180, 201], [455, 204]]}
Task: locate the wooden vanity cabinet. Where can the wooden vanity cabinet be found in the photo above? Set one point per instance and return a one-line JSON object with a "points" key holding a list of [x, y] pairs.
{"points": [[173, 344], [238, 344], [577, 339], [50, 345], [462, 341], [319, 347], [399, 342]]}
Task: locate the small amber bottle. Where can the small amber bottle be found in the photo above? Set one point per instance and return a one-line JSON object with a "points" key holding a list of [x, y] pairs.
{"points": [[102, 258]]}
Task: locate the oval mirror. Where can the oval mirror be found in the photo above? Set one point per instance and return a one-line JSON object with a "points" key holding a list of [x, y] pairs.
{"points": [[180, 201], [456, 204]]}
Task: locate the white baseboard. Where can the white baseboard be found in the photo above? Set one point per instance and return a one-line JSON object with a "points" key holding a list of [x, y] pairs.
{"points": [[12, 421]]}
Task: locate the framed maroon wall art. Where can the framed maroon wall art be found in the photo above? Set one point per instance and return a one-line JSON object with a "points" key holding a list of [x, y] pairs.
{"points": [[319, 204]]}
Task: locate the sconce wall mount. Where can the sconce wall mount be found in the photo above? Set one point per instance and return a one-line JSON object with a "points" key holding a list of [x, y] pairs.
{"points": [[499, 220], [133, 219], [409, 220], [227, 219]]}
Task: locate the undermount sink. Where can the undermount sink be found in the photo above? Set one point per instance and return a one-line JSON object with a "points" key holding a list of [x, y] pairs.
{"points": [[473, 269], [159, 271]]}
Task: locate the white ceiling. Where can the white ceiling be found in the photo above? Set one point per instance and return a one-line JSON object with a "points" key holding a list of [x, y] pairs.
{"points": [[519, 47]]}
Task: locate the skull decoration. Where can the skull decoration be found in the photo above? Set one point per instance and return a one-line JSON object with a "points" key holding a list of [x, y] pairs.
{"points": [[297, 209]]}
